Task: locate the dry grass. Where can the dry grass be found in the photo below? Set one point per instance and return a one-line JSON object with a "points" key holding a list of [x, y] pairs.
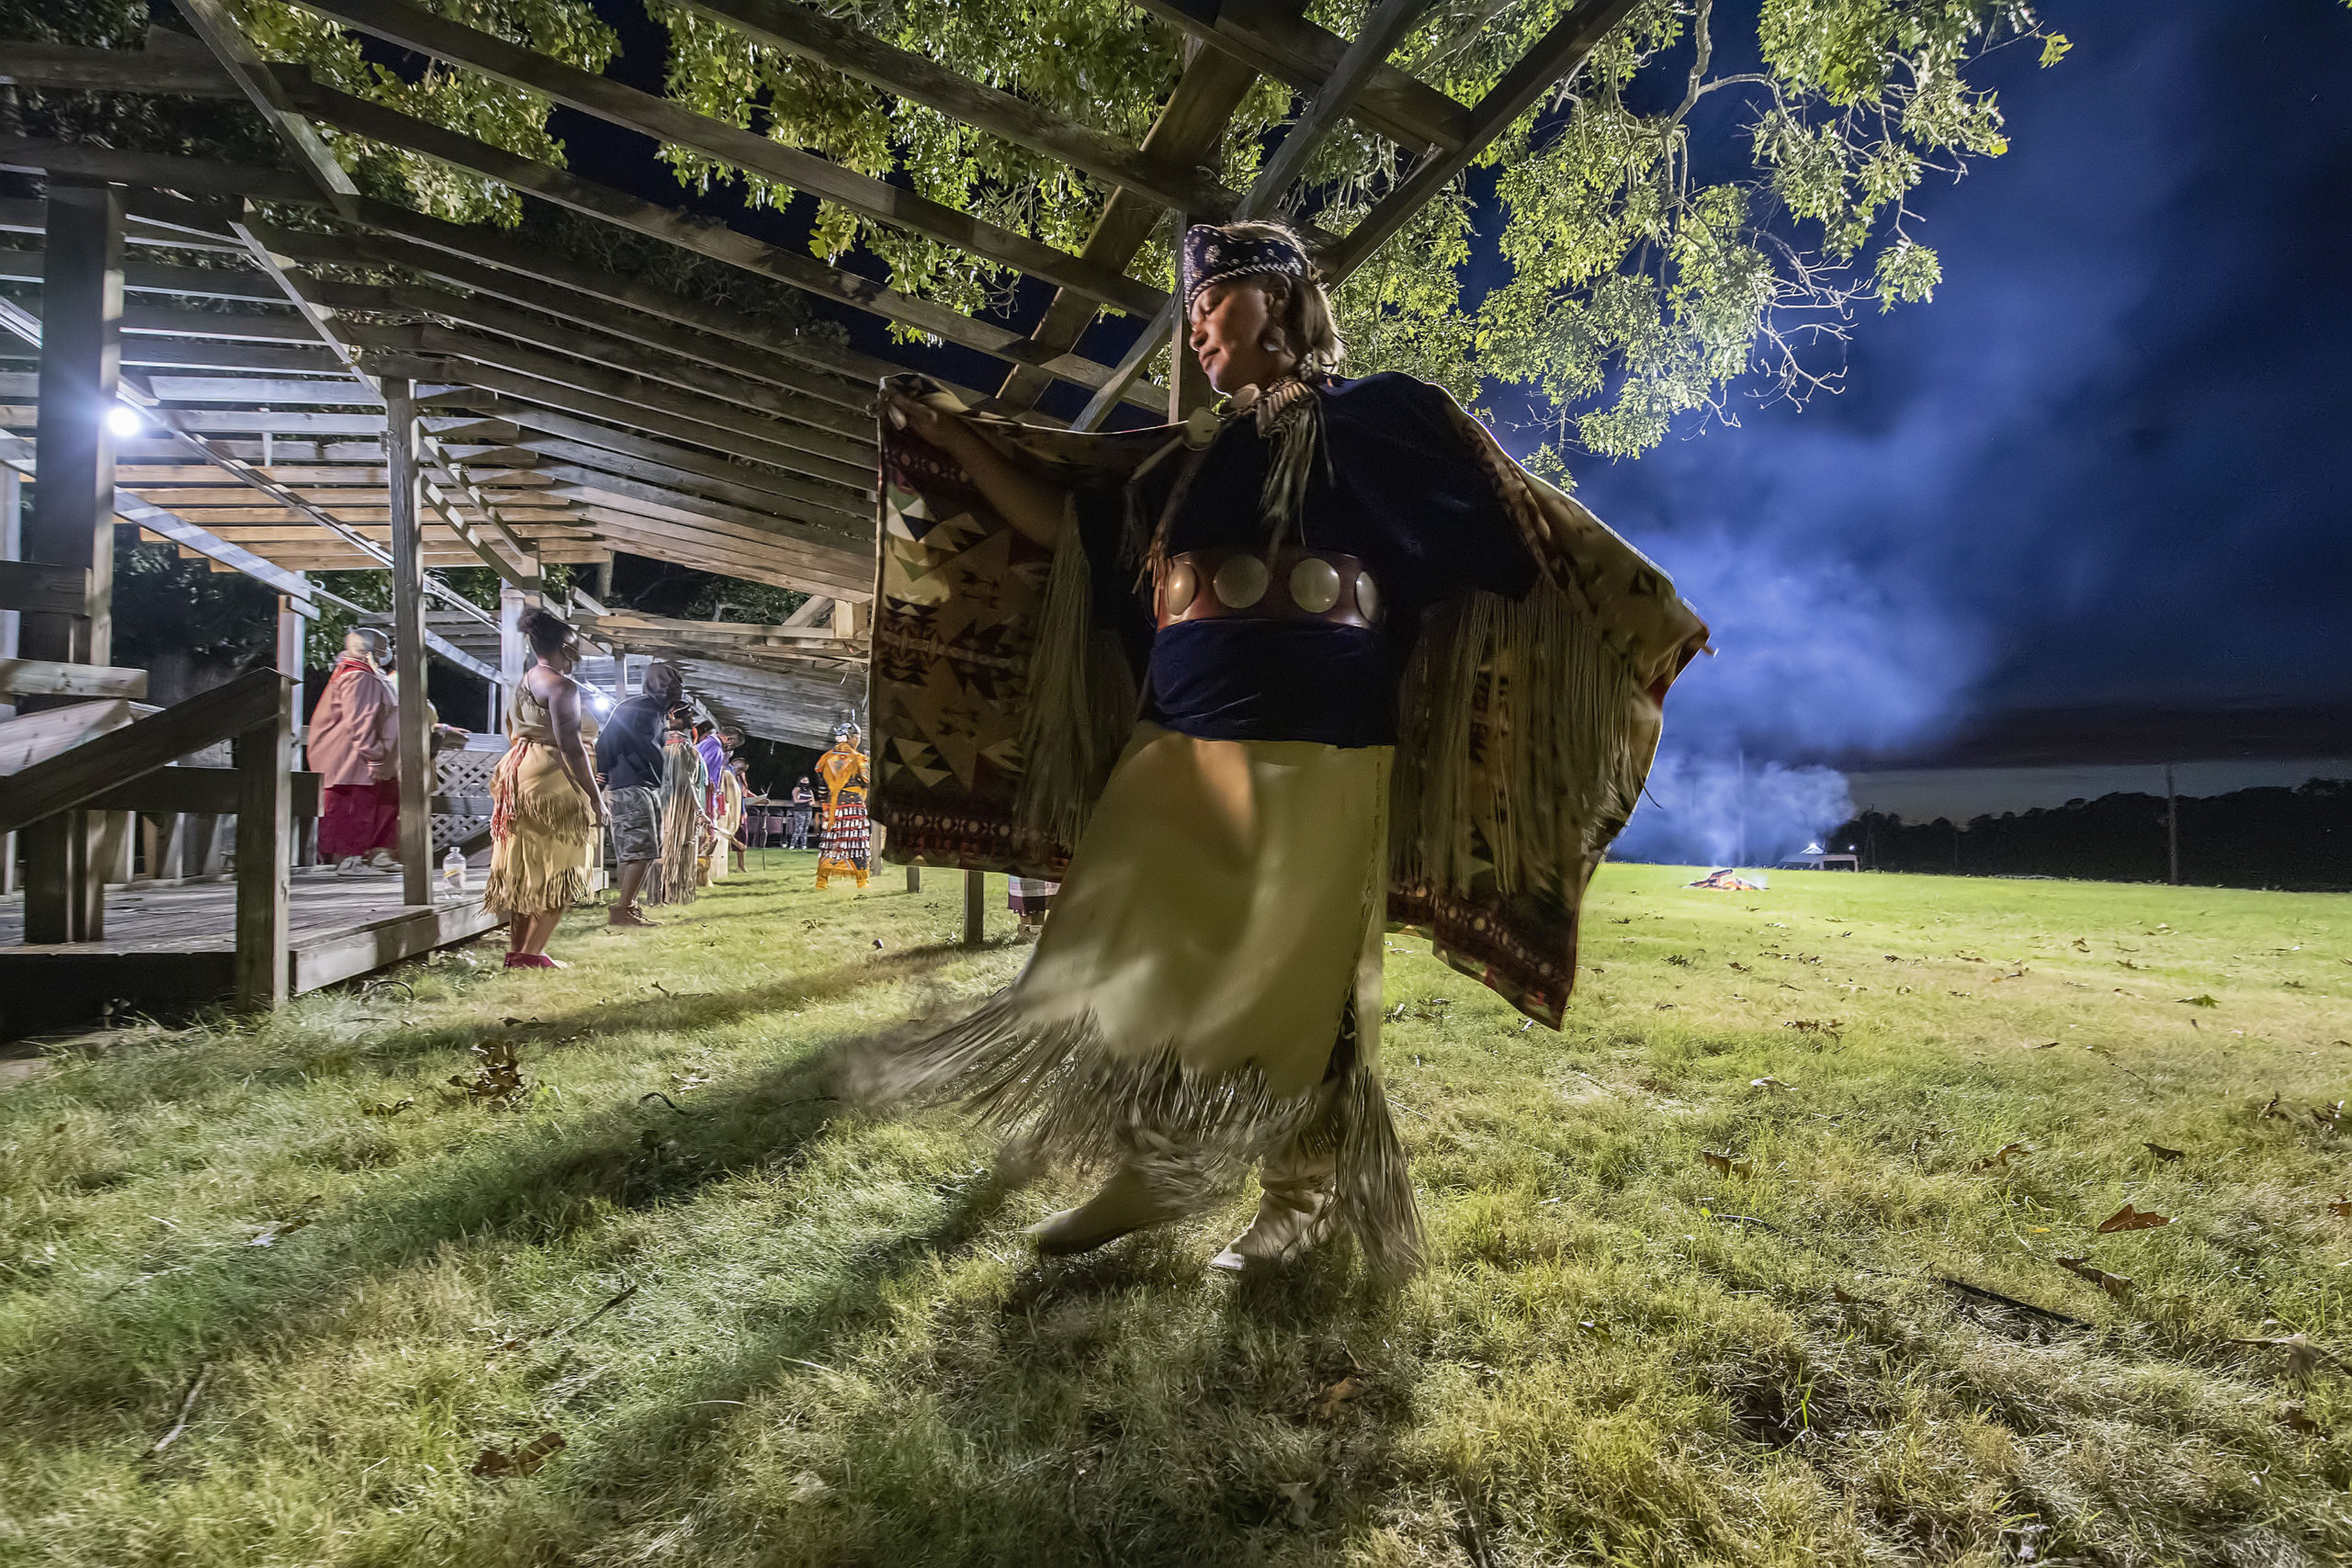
{"points": [[838, 1350]]}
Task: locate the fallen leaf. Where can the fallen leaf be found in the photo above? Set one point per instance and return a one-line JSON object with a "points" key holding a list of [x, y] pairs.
{"points": [[497, 1464], [1598, 1330], [1300, 1496], [2331, 1117], [499, 1083], [2272, 1108], [2128, 1218], [2199, 1001], [1999, 1158], [1727, 1165], [1813, 1025], [2302, 1354], [2082, 944], [1745, 968], [2293, 1414], [807, 1486], [2113, 1284], [1326, 1405], [386, 1108], [1769, 1082], [2341, 1208], [1837, 1293], [2042, 1044], [2161, 1152]]}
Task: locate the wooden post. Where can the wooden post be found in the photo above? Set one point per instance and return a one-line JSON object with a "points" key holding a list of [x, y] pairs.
{"points": [[1188, 384], [2172, 830], [264, 756], [72, 515], [976, 904], [914, 879], [513, 655], [290, 638], [408, 641], [10, 493]]}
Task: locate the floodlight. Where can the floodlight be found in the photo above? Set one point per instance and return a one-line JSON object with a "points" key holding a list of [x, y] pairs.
{"points": [[125, 422]]}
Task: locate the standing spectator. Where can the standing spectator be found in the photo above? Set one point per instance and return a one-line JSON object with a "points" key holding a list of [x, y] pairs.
{"points": [[354, 745], [629, 759], [545, 800], [732, 792], [799, 814]]}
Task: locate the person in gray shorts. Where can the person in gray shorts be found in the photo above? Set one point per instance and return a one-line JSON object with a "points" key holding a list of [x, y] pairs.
{"points": [[629, 758]]}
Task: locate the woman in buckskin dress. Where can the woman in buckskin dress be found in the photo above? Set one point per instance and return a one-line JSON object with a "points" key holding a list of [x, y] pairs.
{"points": [[1208, 993]]}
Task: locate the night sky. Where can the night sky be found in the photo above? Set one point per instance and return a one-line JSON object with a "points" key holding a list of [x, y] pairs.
{"points": [[2105, 465], [2108, 464]]}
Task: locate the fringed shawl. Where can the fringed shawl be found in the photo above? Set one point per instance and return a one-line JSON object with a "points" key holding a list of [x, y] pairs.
{"points": [[1526, 728]]}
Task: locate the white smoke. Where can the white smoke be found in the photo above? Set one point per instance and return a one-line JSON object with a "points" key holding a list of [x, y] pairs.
{"points": [[1724, 811]]}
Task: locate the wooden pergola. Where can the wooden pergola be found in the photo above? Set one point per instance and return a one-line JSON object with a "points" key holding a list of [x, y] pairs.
{"points": [[478, 400]]}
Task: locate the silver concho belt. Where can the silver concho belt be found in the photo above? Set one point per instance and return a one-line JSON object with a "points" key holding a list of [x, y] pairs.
{"points": [[1293, 585]]}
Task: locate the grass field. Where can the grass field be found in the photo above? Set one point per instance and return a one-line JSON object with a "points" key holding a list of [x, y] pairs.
{"points": [[769, 1328]]}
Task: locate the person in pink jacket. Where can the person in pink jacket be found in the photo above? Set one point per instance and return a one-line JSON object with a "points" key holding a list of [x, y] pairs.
{"points": [[354, 745]]}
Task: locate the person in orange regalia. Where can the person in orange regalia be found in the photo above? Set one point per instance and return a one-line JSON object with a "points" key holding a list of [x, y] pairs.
{"points": [[845, 843]]}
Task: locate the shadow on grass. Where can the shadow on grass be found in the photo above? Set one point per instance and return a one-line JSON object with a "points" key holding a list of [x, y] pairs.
{"points": [[532, 1188]]}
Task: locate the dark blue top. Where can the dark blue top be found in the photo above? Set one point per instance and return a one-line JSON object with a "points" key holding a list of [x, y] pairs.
{"points": [[628, 747], [1404, 491]]}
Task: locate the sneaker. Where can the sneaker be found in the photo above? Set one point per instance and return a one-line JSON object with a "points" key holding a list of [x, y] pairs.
{"points": [[348, 865]]}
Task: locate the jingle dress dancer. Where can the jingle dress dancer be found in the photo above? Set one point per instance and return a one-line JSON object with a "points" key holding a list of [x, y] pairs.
{"points": [[1387, 678], [546, 809], [845, 839]]}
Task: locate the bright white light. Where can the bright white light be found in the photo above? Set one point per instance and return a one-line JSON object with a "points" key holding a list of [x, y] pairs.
{"points": [[124, 421], [603, 704]]}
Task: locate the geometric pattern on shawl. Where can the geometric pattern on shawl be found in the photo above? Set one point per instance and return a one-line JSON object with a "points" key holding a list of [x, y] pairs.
{"points": [[960, 603]]}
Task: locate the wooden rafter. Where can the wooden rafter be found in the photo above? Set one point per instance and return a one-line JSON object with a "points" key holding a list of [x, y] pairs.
{"points": [[625, 107]]}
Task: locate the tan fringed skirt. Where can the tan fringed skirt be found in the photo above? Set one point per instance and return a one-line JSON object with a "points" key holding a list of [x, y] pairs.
{"points": [[1208, 993], [538, 863]]}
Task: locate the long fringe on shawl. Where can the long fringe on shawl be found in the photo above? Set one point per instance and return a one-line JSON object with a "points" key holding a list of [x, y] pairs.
{"points": [[1500, 802], [1082, 701], [1063, 1092]]}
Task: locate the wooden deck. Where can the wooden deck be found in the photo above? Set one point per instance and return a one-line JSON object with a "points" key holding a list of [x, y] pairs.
{"points": [[169, 947]]}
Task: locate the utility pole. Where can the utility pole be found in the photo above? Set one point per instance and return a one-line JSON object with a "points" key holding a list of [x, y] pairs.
{"points": [[2172, 830]]}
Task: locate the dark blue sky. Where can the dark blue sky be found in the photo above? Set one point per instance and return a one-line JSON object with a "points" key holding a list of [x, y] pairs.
{"points": [[2107, 465]]}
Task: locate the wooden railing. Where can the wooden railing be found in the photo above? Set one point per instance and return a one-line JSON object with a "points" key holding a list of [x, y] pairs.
{"points": [[129, 768]]}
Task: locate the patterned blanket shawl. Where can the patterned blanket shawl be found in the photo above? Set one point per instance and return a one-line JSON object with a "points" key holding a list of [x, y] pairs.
{"points": [[1526, 728]]}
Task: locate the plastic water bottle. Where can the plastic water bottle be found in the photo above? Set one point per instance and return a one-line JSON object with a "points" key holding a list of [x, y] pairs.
{"points": [[452, 873]]}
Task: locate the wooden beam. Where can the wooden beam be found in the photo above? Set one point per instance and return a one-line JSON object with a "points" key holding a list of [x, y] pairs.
{"points": [[796, 30], [701, 236], [825, 528], [47, 678], [408, 643], [617, 104], [183, 789], [253, 390], [836, 432], [655, 416], [32, 738], [225, 354], [1558, 53], [189, 176], [582, 457], [36, 587], [224, 34], [680, 358], [1359, 63], [191, 537], [715, 548], [1271, 39], [69, 780], [1189, 129], [157, 277], [160, 320], [67, 68]]}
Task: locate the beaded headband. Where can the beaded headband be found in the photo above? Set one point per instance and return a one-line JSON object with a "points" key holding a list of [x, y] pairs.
{"points": [[1212, 254]]}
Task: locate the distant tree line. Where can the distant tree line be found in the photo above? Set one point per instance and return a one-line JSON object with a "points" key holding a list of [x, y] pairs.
{"points": [[2299, 839]]}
